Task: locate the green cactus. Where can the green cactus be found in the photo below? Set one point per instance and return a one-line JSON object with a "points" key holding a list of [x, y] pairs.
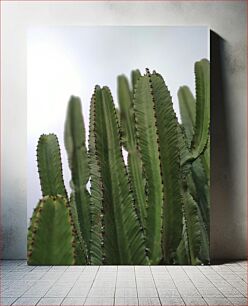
{"points": [[188, 104], [51, 238], [50, 172], [74, 138], [167, 126], [202, 77], [123, 240], [135, 76], [198, 176], [187, 112], [49, 166], [134, 160], [82, 253], [194, 246], [198, 172], [96, 200], [157, 134], [149, 149], [155, 209], [200, 138]]}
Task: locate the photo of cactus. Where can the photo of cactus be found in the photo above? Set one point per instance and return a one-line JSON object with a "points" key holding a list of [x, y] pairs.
{"points": [[118, 145]]}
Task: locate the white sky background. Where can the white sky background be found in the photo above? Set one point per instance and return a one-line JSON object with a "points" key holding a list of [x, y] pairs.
{"points": [[65, 61]]}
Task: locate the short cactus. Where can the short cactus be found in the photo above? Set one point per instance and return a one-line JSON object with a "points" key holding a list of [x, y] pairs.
{"points": [[52, 239]]}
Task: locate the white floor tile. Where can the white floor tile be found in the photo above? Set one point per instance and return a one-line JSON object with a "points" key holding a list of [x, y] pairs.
{"points": [[230, 292], [218, 285], [75, 269], [149, 301], [102, 292], [73, 301], [165, 292], [125, 283], [147, 292], [58, 291], [79, 291], [217, 301], [121, 301], [239, 301], [126, 292], [99, 301], [50, 301], [145, 283], [166, 301], [199, 301], [26, 301], [7, 301]]}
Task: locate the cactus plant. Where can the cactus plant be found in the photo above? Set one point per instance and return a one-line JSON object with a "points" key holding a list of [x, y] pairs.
{"points": [[201, 131], [153, 210], [51, 238], [122, 235], [149, 148], [49, 166], [97, 253], [52, 183], [167, 126], [195, 117], [199, 173], [74, 139], [200, 137], [135, 168]]}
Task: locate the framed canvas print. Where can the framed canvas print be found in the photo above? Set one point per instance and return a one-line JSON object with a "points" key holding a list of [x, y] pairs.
{"points": [[118, 145]]}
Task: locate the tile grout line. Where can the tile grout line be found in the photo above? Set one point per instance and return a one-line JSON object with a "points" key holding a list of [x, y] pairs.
{"points": [[237, 273], [175, 285], [156, 285], [194, 284], [92, 284], [35, 283], [14, 301], [117, 271], [136, 286], [230, 283], [39, 298], [25, 290], [210, 282], [73, 283]]}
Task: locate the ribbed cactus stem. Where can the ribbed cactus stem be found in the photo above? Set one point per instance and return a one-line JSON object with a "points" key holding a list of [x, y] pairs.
{"points": [[123, 238], [167, 127], [74, 138], [51, 234], [97, 252], [135, 167], [49, 166], [147, 138]]}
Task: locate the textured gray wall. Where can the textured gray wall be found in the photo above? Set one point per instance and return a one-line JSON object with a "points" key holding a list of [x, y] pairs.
{"points": [[227, 19]]}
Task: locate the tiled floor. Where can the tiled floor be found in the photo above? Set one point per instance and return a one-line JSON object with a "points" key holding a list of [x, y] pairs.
{"points": [[123, 285]]}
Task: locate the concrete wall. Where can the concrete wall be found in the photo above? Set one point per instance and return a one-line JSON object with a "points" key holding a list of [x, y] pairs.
{"points": [[229, 93]]}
